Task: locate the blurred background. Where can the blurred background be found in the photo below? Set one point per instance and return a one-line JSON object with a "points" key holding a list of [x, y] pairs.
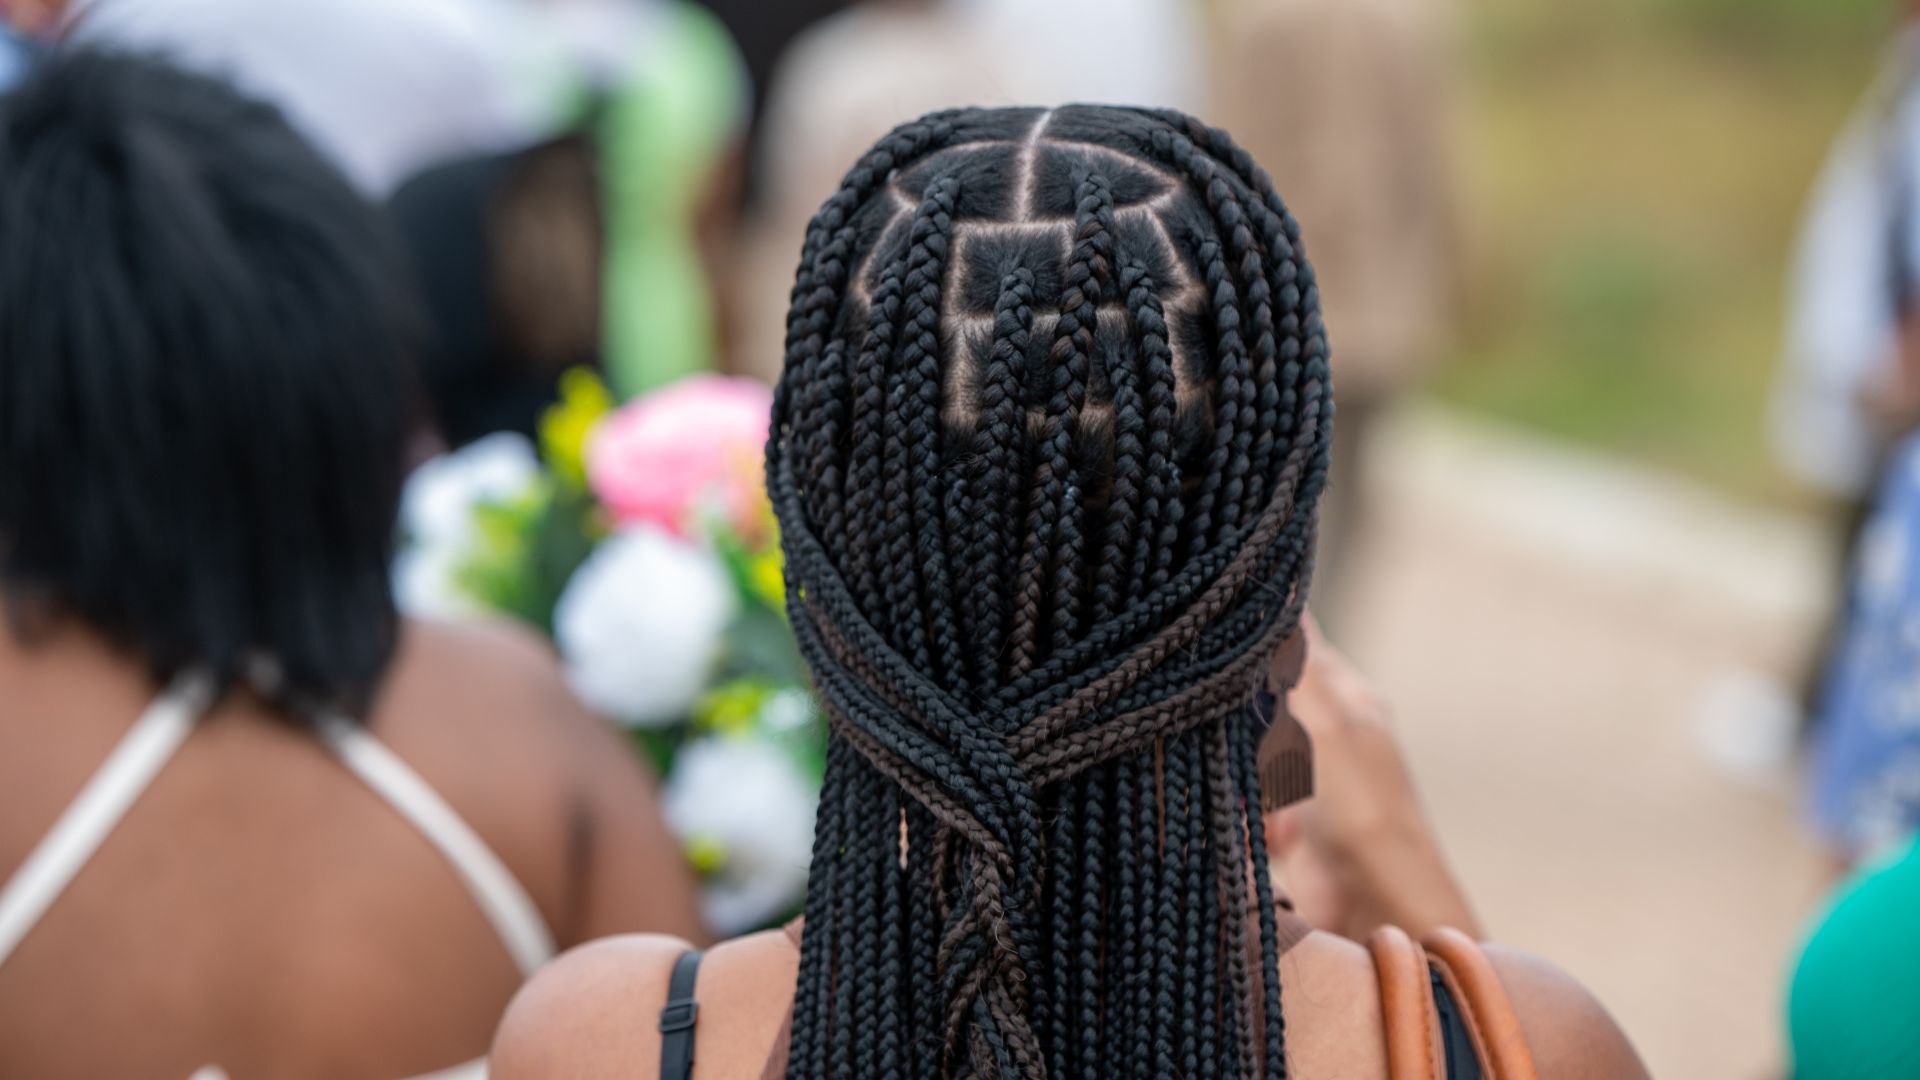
{"points": [[1594, 594], [1556, 240]]}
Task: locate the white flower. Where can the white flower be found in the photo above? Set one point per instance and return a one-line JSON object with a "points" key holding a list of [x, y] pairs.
{"points": [[641, 625], [437, 507], [437, 515], [788, 710], [424, 586], [745, 798]]}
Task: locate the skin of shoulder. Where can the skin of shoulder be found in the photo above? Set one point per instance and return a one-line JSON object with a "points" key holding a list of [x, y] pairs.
{"points": [[589, 1014], [484, 711], [592, 1013], [1571, 1035]]}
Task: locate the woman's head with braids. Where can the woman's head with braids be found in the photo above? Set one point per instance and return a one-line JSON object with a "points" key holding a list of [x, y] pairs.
{"points": [[1053, 422]]}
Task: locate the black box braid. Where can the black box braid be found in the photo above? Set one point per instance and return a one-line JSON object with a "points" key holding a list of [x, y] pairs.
{"points": [[1054, 419]]}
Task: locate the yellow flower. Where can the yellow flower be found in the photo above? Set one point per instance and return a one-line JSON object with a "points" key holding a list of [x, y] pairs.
{"points": [[730, 709], [766, 576], [706, 854], [565, 426]]}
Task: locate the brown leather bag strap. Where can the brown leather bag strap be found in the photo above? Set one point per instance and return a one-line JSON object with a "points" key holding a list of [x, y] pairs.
{"points": [[1406, 1004], [1484, 1006]]}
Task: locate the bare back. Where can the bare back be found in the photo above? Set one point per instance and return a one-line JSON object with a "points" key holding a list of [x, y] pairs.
{"points": [[262, 909]]}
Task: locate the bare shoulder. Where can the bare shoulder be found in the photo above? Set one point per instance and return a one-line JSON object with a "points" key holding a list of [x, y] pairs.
{"points": [[594, 1012], [587, 1014], [1571, 1034], [482, 683], [484, 656]]}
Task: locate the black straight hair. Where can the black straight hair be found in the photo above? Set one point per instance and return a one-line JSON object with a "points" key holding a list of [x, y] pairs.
{"points": [[204, 385], [1046, 450]]}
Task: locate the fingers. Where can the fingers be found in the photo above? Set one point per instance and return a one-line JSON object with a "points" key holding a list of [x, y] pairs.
{"points": [[1284, 829]]}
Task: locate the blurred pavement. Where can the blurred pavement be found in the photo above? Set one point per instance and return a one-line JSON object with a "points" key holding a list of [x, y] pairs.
{"points": [[1555, 631]]}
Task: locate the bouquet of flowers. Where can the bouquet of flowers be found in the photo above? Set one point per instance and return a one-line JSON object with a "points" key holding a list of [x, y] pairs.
{"points": [[641, 541]]}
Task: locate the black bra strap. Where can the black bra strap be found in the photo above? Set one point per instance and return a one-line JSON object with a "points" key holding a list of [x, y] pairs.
{"points": [[678, 1018]]}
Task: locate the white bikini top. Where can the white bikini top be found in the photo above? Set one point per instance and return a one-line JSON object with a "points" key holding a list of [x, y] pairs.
{"points": [[157, 736]]}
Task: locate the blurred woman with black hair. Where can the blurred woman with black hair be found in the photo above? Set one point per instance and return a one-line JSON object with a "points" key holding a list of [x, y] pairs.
{"points": [[214, 843]]}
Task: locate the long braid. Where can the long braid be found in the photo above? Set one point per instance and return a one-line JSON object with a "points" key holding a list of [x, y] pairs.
{"points": [[924, 918], [1180, 952], [1061, 1017], [1156, 832], [1090, 1046], [1273, 1030], [1034, 615]]}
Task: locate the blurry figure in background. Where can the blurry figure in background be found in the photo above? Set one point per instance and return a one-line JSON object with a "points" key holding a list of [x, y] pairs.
{"points": [[1853, 284], [763, 32], [1344, 102], [1847, 394], [24, 25], [668, 128], [16, 56], [1856, 988], [599, 246], [1865, 793], [383, 87], [855, 75], [508, 251], [214, 843]]}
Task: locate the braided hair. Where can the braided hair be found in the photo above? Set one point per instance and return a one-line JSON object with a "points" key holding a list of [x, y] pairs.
{"points": [[1054, 419]]}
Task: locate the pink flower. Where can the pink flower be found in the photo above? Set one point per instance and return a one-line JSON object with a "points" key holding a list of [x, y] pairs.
{"points": [[685, 454]]}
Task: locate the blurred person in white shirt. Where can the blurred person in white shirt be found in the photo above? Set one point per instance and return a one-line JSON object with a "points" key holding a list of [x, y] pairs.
{"points": [[383, 87]]}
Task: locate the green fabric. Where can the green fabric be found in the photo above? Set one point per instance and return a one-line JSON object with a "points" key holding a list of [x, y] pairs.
{"points": [[1854, 1007], [663, 132]]}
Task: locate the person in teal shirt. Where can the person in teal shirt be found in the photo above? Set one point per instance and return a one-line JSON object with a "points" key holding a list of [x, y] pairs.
{"points": [[1853, 1008]]}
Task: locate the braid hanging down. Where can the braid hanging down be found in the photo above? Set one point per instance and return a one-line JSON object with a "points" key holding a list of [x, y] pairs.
{"points": [[1054, 419]]}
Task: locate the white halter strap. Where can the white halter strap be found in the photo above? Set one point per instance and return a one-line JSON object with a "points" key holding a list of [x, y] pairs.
{"points": [[498, 893], [143, 751], [157, 736]]}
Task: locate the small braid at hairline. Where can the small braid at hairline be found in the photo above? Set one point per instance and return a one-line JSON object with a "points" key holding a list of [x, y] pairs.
{"points": [[919, 359], [863, 514], [1138, 644], [1159, 518], [905, 615], [820, 283], [1291, 276], [829, 404], [1122, 536], [1000, 481], [1089, 278]]}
